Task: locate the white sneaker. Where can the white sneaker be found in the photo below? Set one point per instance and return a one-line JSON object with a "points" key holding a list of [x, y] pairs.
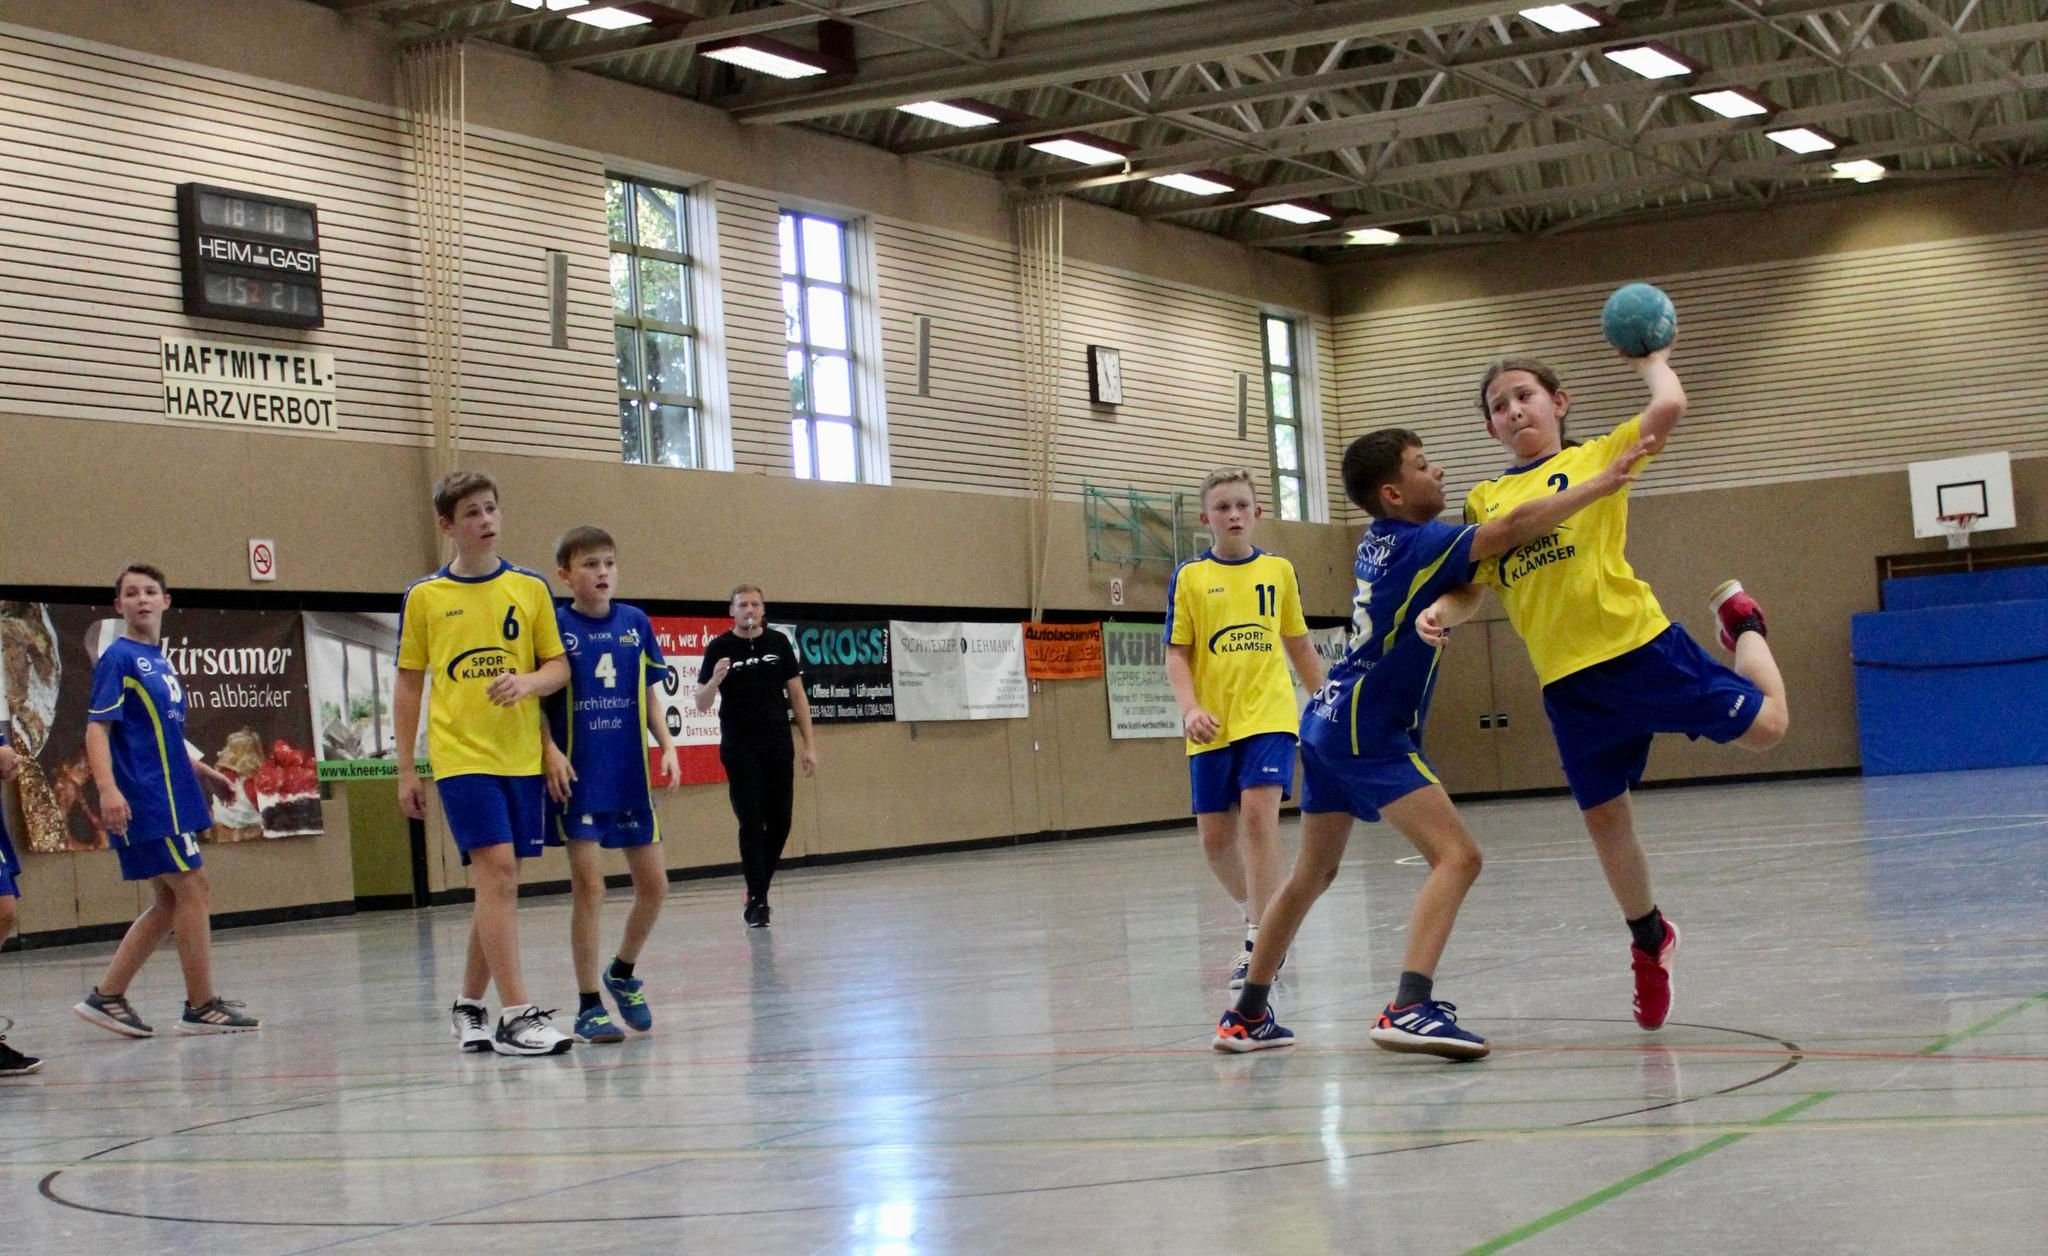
{"points": [[472, 1024], [523, 1029]]}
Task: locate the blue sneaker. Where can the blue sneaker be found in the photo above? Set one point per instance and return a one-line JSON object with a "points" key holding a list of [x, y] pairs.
{"points": [[1427, 1027], [594, 1024], [1235, 1033], [632, 1003], [1242, 968]]}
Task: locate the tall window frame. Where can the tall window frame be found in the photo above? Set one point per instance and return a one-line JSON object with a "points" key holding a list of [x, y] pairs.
{"points": [[655, 331], [830, 383], [1287, 447]]}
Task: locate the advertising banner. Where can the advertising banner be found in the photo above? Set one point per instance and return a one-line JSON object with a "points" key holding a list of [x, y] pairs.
{"points": [[1134, 668], [956, 671], [1062, 651], [683, 639], [247, 706], [846, 669]]}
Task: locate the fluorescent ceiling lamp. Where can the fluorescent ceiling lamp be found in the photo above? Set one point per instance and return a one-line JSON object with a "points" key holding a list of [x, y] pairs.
{"points": [[1561, 18], [1374, 235], [1863, 170], [762, 61], [1649, 60], [609, 19], [1731, 103], [1287, 211], [1193, 184], [554, 6], [951, 115], [1802, 139], [1078, 150]]}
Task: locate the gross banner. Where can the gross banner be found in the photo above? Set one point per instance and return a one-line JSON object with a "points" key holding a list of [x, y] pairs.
{"points": [[846, 669], [683, 639], [958, 671], [1141, 703], [1062, 651], [1329, 644], [247, 713]]}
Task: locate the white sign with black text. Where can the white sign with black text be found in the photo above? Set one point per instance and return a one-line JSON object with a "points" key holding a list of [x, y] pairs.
{"points": [[958, 671], [256, 385]]}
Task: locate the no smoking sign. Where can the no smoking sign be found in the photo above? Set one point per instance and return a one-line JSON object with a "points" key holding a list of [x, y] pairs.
{"points": [[262, 559]]}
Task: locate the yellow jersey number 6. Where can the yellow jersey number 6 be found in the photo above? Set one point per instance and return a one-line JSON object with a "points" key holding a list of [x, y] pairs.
{"points": [[511, 623]]}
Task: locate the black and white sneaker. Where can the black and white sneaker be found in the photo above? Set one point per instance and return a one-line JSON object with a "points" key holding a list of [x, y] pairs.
{"points": [[13, 1063], [523, 1029], [472, 1024], [112, 1012], [217, 1016]]}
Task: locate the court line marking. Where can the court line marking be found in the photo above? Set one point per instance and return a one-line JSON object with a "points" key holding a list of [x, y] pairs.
{"points": [[1858, 839], [1580, 1207]]}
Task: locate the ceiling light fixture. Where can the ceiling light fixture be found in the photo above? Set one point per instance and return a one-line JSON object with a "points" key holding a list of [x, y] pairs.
{"points": [[1375, 235], [610, 19], [1089, 150], [773, 57], [1205, 183], [1734, 102], [962, 113], [1651, 59], [1291, 211], [1562, 18], [1863, 170], [1803, 139]]}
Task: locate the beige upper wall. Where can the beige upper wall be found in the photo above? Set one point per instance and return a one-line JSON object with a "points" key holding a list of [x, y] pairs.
{"points": [[1884, 216], [293, 41]]}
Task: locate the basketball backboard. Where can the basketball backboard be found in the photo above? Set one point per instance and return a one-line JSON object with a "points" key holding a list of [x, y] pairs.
{"points": [[1978, 484]]}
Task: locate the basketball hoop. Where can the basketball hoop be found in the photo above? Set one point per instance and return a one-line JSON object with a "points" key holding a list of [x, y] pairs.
{"points": [[1958, 527]]}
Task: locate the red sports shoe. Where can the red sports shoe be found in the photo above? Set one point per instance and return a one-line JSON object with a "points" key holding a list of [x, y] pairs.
{"points": [[1653, 979], [1738, 613]]}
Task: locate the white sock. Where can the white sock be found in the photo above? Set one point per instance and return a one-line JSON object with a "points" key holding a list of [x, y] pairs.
{"points": [[463, 1000], [1251, 936], [512, 1010]]}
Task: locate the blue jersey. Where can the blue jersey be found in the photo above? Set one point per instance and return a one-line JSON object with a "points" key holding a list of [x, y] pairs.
{"points": [[1376, 696], [136, 692], [600, 718]]}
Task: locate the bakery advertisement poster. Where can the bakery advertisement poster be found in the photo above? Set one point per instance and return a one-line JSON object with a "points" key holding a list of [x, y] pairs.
{"points": [[248, 713]]}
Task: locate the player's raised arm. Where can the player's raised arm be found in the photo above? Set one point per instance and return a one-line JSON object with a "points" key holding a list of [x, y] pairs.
{"points": [[1530, 520], [1667, 395]]}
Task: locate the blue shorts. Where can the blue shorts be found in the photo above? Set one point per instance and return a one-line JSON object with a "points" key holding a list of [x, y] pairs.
{"points": [[486, 810], [1603, 717], [613, 830], [1220, 775], [156, 857], [10, 868], [1360, 786]]}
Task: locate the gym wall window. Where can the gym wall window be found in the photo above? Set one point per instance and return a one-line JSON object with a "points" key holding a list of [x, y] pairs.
{"points": [[1281, 341], [654, 324], [833, 359]]}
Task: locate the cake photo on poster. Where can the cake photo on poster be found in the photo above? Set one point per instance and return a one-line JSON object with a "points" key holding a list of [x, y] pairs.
{"points": [[244, 677]]}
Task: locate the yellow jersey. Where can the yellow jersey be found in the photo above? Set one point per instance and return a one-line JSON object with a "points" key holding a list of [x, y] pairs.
{"points": [[464, 632], [1571, 595], [1232, 614]]}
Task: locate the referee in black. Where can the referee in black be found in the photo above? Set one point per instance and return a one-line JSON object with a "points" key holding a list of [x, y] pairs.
{"points": [[757, 670]]}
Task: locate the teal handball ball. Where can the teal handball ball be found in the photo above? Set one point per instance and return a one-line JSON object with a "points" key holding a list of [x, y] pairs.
{"points": [[1639, 320]]}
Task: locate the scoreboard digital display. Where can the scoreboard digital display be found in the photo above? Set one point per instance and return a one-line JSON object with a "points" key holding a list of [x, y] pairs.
{"points": [[249, 257]]}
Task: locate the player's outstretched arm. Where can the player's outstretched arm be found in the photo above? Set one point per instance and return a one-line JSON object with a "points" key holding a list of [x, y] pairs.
{"points": [[1308, 665], [1530, 520], [1450, 609], [1667, 395]]}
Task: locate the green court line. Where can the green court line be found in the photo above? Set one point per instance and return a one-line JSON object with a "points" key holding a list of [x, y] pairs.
{"points": [[1582, 1206]]}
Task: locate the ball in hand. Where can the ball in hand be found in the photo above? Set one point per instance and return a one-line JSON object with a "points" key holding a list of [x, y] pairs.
{"points": [[1639, 320]]}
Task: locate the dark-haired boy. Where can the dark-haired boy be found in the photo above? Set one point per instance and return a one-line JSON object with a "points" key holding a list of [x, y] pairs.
{"points": [[154, 808], [1361, 743], [599, 788]]}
